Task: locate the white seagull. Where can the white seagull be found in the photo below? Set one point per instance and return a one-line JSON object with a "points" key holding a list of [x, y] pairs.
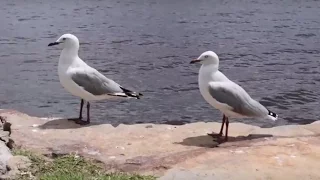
{"points": [[84, 81], [225, 95]]}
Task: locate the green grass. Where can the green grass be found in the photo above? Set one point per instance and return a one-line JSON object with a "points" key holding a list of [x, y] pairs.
{"points": [[69, 167]]}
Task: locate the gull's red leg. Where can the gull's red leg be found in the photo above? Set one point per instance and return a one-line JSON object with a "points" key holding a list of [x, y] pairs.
{"points": [[227, 128], [221, 129], [80, 114]]}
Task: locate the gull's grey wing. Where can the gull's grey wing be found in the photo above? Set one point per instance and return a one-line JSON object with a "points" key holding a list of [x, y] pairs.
{"points": [[237, 98], [94, 82]]}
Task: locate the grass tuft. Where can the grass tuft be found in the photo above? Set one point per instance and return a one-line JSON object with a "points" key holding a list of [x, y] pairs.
{"points": [[69, 167]]}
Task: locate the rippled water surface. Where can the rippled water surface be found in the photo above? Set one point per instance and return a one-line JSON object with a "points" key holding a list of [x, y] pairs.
{"points": [[272, 48]]}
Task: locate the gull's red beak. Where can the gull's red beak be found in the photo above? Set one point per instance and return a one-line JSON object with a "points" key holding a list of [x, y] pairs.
{"points": [[195, 61]]}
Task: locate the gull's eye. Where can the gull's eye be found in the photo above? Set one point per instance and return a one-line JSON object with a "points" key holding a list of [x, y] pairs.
{"points": [[64, 39], [206, 56]]}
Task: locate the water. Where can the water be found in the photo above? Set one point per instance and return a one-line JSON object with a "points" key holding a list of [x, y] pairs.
{"points": [[270, 47]]}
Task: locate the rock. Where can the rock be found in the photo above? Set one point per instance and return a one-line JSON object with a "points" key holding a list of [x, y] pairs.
{"points": [[10, 144], [3, 119], [4, 136], [18, 163], [185, 152], [7, 127], [5, 155], [11, 175], [3, 167], [15, 166]]}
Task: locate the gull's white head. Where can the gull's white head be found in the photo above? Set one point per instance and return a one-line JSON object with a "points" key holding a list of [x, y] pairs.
{"points": [[67, 40], [208, 57]]}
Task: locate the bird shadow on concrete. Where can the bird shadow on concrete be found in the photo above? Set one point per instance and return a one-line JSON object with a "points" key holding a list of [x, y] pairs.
{"points": [[64, 123], [208, 141]]}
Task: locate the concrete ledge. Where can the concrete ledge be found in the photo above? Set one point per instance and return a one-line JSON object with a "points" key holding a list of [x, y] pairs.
{"points": [[179, 152]]}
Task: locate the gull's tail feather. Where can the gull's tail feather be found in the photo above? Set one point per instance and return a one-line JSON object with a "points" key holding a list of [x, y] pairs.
{"points": [[129, 93], [273, 116]]}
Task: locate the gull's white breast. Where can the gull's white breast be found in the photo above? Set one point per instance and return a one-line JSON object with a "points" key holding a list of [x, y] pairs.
{"points": [[69, 84], [206, 75]]}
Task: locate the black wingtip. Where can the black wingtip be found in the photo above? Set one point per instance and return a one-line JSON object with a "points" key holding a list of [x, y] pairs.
{"points": [[131, 93], [138, 95], [270, 113]]}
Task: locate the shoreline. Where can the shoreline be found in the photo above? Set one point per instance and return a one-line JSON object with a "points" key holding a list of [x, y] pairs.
{"points": [[185, 150]]}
